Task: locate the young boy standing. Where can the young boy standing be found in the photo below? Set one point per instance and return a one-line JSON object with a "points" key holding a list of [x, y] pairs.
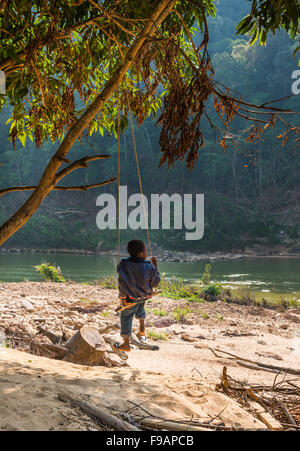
{"points": [[137, 278]]}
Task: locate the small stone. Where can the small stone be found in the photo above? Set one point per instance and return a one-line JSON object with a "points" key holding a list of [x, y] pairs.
{"points": [[261, 342], [200, 346], [27, 305], [283, 326], [187, 337], [2, 338], [292, 317], [170, 332], [295, 311], [163, 323]]}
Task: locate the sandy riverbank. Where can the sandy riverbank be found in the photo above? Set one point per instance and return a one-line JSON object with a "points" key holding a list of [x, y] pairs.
{"points": [[177, 380]]}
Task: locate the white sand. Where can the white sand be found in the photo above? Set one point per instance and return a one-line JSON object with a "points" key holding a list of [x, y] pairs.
{"points": [[176, 382]]}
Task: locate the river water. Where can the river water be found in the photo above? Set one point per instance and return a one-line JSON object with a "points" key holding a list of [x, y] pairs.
{"points": [[280, 274]]}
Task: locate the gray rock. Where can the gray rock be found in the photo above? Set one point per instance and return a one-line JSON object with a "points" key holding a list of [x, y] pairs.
{"points": [[261, 342], [2, 338], [163, 322], [27, 305]]}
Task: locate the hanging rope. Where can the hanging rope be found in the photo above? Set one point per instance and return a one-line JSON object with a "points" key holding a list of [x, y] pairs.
{"points": [[118, 195], [124, 307], [139, 176]]}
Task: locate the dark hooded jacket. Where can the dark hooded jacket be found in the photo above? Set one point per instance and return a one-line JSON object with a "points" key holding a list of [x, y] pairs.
{"points": [[137, 278]]}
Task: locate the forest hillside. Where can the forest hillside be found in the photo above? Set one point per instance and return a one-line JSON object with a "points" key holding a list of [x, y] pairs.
{"points": [[251, 190]]}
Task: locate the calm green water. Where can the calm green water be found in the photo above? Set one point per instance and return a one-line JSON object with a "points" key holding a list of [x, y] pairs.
{"points": [[282, 274]]}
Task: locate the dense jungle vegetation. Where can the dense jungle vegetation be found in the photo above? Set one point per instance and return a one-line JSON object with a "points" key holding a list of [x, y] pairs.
{"points": [[251, 189]]}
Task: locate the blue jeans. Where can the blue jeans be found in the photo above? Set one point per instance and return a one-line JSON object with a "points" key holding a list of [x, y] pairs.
{"points": [[126, 317]]}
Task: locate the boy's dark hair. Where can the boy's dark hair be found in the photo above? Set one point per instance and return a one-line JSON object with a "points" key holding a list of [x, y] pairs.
{"points": [[135, 247]]}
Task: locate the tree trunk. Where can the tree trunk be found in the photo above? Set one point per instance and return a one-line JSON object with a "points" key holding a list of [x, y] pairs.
{"points": [[48, 179], [86, 347]]}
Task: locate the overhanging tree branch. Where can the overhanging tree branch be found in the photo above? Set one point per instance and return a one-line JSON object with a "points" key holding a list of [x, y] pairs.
{"points": [[111, 17], [10, 65], [85, 187], [48, 179], [58, 188], [79, 164]]}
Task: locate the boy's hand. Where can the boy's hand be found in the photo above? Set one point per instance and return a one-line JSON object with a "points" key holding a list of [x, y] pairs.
{"points": [[153, 261]]}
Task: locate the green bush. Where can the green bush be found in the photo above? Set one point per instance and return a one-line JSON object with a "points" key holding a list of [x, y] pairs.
{"points": [[213, 289], [206, 275], [176, 289], [197, 301], [109, 282], [159, 312], [50, 272], [181, 314], [157, 336]]}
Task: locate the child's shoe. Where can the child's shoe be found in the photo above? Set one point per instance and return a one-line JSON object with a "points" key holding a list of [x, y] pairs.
{"points": [[119, 351], [142, 337]]}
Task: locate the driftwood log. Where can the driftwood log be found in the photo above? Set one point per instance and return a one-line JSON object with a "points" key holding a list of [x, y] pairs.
{"points": [[145, 346], [158, 424], [100, 413], [253, 364]]}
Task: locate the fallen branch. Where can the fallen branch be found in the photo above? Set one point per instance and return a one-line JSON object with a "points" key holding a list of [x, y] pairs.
{"points": [[265, 417], [100, 413], [258, 365], [55, 339], [253, 367], [287, 413], [273, 405], [157, 423], [49, 350], [291, 426], [145, 346]]}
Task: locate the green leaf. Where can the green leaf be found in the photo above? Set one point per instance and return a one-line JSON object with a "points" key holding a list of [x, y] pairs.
{"points": [[242, 27], [22, 139]]}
